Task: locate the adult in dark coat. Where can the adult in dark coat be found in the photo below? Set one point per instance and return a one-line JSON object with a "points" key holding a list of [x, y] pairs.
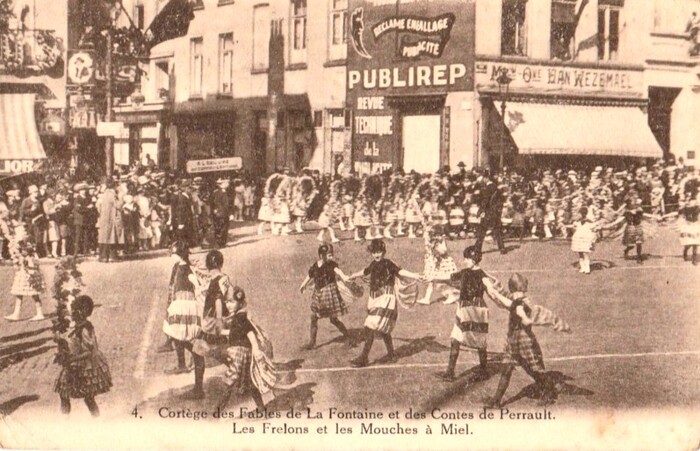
{"points": [[220, 201], [182, 216], [81, 208], [32, 214], [491, 204]]}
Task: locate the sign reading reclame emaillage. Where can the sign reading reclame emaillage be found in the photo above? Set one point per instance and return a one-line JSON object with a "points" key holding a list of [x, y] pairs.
{"points": [[419, 47]]}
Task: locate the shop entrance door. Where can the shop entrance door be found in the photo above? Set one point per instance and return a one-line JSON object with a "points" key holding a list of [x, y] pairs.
{"points": [[421, 143]]}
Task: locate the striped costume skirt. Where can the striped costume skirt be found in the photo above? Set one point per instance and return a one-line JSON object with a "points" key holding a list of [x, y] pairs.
{"points": [[391, 216], [88, 378], [634, 234], [238, 365], [413, 216], [265, 212], [184, 320], [523, 349], [27, 283], [362, 218], [381, 310], [690, 233], [327, 303], [438, 269], [471, 326]]}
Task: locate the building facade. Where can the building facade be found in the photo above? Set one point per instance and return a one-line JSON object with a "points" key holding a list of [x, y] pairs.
{"points": [[368, 84], [32, 83]]}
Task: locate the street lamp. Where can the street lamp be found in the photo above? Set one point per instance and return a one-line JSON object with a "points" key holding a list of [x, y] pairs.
{"points": [[503, 81]]}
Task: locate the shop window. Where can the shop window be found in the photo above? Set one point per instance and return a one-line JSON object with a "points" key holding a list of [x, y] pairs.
{"points": [[691, 155], [608, 30], [261, 37], [226, 63], [513, 35], [337, 119], [196, 65], [298, 32], [563, 29], [339, 30], [318, 118]]}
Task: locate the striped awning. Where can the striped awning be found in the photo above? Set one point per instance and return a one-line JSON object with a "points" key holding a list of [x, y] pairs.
{"points": [[546, 129], [19, 138]]}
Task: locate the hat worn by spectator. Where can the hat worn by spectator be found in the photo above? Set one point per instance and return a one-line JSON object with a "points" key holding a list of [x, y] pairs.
{"points": [[221, 181], [79, 187], [32, 189]]}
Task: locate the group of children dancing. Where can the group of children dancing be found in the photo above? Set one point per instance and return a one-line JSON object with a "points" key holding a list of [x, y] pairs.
{"points": [[389, 287]]}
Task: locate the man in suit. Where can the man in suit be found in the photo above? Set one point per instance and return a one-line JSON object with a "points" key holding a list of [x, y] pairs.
{"points": [[491, 205], [81, 205], [182, 219], [221, 212]]}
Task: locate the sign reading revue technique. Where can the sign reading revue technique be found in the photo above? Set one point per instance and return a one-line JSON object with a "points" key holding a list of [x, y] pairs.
{"points": [[397, 48]]}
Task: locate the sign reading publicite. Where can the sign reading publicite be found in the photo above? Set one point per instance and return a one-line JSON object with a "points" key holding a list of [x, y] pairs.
{"points": [[214, 164], [405, 48]]}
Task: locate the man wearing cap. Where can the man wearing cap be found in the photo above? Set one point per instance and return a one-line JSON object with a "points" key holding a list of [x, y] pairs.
{"points": [[221, 212], [182, 215], [32, 214]]}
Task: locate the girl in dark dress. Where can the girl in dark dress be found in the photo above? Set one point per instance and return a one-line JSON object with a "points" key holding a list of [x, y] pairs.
{"points": [[248, 356], [85, 372], [472, 317], [326, 299], [381, 305], [522, 347]]}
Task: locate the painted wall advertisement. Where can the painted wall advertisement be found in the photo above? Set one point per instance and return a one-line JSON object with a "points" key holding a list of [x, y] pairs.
{"points": [[402, 48]]}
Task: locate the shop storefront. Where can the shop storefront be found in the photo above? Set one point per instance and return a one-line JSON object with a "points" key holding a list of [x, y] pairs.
{"points": [[548, 115], [20, 146], [410, 84], [145, 135]]}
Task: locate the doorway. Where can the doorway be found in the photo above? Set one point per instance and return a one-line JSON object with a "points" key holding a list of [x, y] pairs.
{"points": [[420, 140]]}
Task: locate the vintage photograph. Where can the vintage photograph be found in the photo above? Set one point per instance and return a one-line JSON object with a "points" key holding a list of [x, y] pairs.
{"points": [[351, 224]]}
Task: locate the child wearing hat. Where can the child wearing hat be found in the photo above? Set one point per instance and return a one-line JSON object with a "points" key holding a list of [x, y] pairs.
{"points": [[522, 347], [85, 373], [28, 280], [326, 299], [381, 305]]}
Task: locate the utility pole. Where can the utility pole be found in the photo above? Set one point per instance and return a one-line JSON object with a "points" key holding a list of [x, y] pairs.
{"points": [[109, 140]]}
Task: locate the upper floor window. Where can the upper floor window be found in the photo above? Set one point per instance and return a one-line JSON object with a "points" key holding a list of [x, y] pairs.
{"points": [[162, 78], [338, 29], [513, 35], [261, 36], [298, 38], [226, 63], [563, 29], [608, 29], [139, 19], [196, 66]]}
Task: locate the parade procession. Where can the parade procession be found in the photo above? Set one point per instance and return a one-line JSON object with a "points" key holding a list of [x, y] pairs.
{"points": [[493, 203]]}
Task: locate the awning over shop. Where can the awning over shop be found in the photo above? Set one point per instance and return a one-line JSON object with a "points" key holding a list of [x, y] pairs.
{"points": [[19, 138], [544, 129]]}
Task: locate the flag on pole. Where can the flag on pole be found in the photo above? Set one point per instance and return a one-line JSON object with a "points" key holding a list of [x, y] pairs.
{"points": [[171, 22]]}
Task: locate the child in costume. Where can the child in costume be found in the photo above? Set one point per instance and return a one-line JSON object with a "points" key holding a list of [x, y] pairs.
{"points": [[218, 302], [690, 229], [85, 373], [28, 280], [472, 317], [326, 299], [438, 263], [331, 213], [413, 214], [583, 240], [362, 217], [249, 367], [184, 322], [381, 306], [522, 347]]}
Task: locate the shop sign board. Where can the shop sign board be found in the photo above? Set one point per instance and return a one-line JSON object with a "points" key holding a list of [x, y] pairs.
{"points": [[16, 166], [573, 79], [407, 48], [214, 165], [110, 128]]}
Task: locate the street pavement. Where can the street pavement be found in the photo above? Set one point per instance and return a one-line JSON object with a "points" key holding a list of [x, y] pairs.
{"points": [[635, 343]]}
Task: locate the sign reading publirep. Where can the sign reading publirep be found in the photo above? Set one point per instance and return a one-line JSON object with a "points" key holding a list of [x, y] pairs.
{"points": [[214, 165], [420, 47]]}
